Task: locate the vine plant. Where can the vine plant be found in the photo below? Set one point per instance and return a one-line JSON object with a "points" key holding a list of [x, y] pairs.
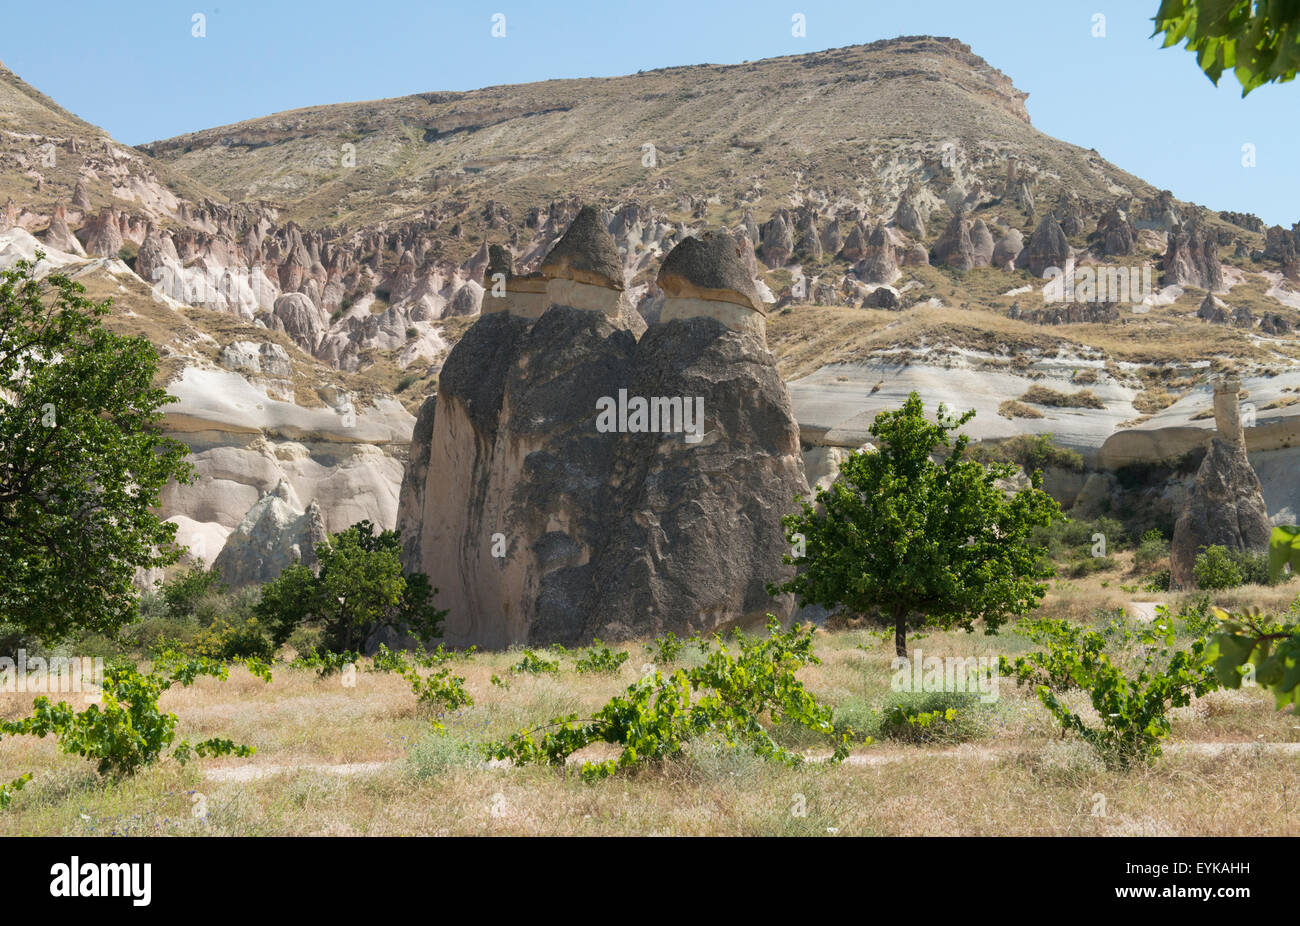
{"points": [[728, 695]]}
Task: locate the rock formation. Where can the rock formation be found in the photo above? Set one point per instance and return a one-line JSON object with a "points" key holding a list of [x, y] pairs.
{"points": [[982, 246], [1116, 234], [954, 248], [1008, 249], [776, 240], [275, 533], [706, 277], [59, 236], [1192, 258], [908, 217], [1225, 506], [1047, 247], [544, 515], [878, 264], [101, 236]]}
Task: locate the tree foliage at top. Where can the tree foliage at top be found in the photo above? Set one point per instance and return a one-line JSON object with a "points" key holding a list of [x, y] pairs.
{"points": [[359, 588], [82, 460], [1258, 40], [922, 541]]}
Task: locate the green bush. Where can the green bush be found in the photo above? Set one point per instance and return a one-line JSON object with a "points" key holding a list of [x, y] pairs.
{"points": [[600, 658], [359, 588], [535, 664], [1029, 452], [729, 696], [183, 592], [1216, 568], [1253, 567], [126, 730], [1133, 677], [233, 637], [666, 649], [1158, 582], [437, 753], [934, 717], [1151, 550]]}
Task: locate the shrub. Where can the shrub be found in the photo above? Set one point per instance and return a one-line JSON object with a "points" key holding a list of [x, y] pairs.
{"points": [[600, 658], [535, 664], [1028, 451], [1013, 409], [229, 638], [1215, 568], [126, 730], [1041, 395], [437, 753], [655, 718], [1151, 550], [1132, 706], [1158, 582], [667, 648], [183, 592], [934, 717], [360, 588], [1253, 567]]}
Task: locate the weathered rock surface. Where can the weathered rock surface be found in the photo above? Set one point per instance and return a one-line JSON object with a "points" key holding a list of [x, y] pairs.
{"points": [[596, 532], [1192, 258], [1047, 247], [954, 248], [1008, 249], [275, 533], [1225, 506]]}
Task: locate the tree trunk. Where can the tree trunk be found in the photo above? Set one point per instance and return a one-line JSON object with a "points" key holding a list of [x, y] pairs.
{"points": [[900, 632]]}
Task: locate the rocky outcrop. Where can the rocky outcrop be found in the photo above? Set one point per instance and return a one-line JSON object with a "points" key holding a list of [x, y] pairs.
{"points": [[706, 277], [878, 264], [1225, 506], [908, 217], [1008, 249], [275, 533], [982, 246], [855, 245], [1192, 258], [1213, 310], [101, 235], [550, 507], [1047, 247], [59, 236], [1116, 235], [954, 248], [808, 243], [776, 240]]}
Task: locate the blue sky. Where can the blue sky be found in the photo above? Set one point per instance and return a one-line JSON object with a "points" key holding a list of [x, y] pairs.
{"points": [[135, 68]]}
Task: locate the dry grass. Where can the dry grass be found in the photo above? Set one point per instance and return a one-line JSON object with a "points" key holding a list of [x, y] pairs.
{"points": [[1041, 395], [1013, 409], [362, 761]]}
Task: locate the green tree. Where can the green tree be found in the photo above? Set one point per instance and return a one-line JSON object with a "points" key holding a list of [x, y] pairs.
{"points": [[358, 588], [922, 541], [182, 593], [82, 460], [1258, 40]]}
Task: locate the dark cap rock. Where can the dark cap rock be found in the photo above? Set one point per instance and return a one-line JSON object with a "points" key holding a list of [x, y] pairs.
{"points": [[710, 267], [587, 253]]}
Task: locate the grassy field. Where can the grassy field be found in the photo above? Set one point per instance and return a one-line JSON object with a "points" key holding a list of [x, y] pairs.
{"points": [[363, 760]]}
